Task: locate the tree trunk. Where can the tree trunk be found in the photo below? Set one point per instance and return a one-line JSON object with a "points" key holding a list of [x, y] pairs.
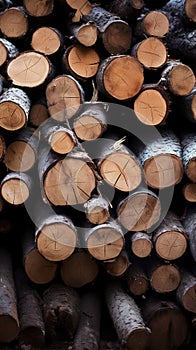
{"points": [[88, 333], [7, 51], [85, 33], [39, 8], [186, 292], [97, 210], [189, 155], [189, 224], [170, 238], [16, 188], [136, 279], [117, 267], [189, 192], [18, 23], [127, 318], [141, 244], [153, 23], [47, 40]]}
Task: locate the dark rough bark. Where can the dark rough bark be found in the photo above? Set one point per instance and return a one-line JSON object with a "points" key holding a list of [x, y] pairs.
{"points": [[189, 155], [186, 292], [117, 267], [182, 8], [187, 106], [190, 226], [129, 10]]}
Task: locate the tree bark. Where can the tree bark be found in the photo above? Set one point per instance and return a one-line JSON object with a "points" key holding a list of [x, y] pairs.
{"points": [[7, 51], [186, 292], [129, 10], [16, 188], [38, 113], [189, 155], [141, 244], [189, 224], [187, 106]]}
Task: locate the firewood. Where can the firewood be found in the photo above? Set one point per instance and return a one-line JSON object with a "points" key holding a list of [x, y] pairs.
{"points": [[128, 10], [2, 147], [139, 211], [136, 279], [124, 85], [16, 187], [187, 106], [189, 155], [39, 8], [97, 210], [61, 308], [78, 270], [82, 7], [189, 225], [117, 267], [126, 317], [38, 113], [47, 40], [85, 33], [153, 23], [18, 23], [14, 108], [189, 191], [64, 96], [170, 238], [7, 51], [116, 34], [184, 9], [186, 292], [88, 332], [5, 4], [32, 329], [9, 323], [141, 244]]}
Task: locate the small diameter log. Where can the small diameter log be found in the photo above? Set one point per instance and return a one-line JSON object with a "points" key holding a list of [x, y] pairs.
{"points": [[161, 160], [151, 53], [128, 10], [170, 238], [38, 8], [97, 210], [179, 78], [139, 211], [7, 51], [14, 109], [38, 113], [32, 328], [38, 269], [189, 191], [185, 9], [189, 224], [124, 85], [85, 33], [46, 40], [127, 318], [81, 62], [20, 70], [64, 96], [189, 155], [152, 105], [153, 23], [2, 147], [61, 309], [79, 270], [118, 266], [119, 167], [165, 319], [88, 332], [82, 7], [104, 242], [18, 23], [91, 122], [137, 280], [9, 324], [186, 293], [21, 154], [16, 187], [141, 244], [187, 106], [115, 33]]}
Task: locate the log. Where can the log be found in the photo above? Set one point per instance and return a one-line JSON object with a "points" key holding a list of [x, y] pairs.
{"points": [[152, 105], [79, 270], [186, 292], [141, 244], [170, 238], [18, 23], [126, 317], [82, 8], [64, 96], [117, 267], [187, 105], [91, 122], [185, 9], [105, 241], [128, 10], [97, 210], [85, 33], [2, 147], [9, 324], [139, 211], [20, 70], [14, 109], [32, 329], [7, 51], [161, 160], [137, 280], [16, 188], [47, 40], [61, 309], [116, 34], [38, 113], [5, 225], [150, 52], [153, 23], [189, 155], [5, 4], [165, 319], [87, 336], [190, 227], [124, 85], [189, 192], [39, 8]]}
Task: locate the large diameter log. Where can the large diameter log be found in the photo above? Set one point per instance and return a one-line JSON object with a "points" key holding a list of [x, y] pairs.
{"points": [[188, 106], [39, 8], [186, 292], [124, 85], [88, 332], [139, 211], [170, 238], [153, 23], [38, 113], [16, 188], [14, 108], [97, 210], [117, 267], [9, 324], [64, 96], [61, 309], [189, 155], [165, 319], [104, 242], [85, 33], [189, 191], [79, 270], [32, 328], [29, 69], [18, 23], [136, 279], [161, 160], [115, 33], [7, 51], [141, 244], [126, 317], [46, 40], [189, 224]]}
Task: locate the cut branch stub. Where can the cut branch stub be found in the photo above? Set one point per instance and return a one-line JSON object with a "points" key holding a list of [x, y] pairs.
{"points": [[151, 53], [15, 188], [7, 51], [64, 96], [46, 40], [18, 23], [39, 8], [120, 77], [189, 155]]}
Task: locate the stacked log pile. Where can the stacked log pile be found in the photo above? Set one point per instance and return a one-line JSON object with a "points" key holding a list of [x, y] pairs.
{"points": [[98, 173]]}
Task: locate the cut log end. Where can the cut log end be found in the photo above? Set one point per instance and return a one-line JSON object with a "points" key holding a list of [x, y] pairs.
{"points": [[117, 267], [190, 9], [39, 8], [38, 114], [191, 169], [141, 246], [152, 53], [46, 40], [83, 61], [138, 339], [19, 156], [15, 191], [98, 215], [18, 23], [13, 117], [193, 107], [117, 38], [88, 128], [171, 245], [189, 299], [61, 142], [181, 80], [156, 23], [190, 192], [32, 335], [3, 54], [9, 328], [87, 35], [165, 279]]}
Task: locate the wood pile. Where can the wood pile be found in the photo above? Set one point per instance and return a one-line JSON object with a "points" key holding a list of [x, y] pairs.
{"points": [[98, 174]]}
